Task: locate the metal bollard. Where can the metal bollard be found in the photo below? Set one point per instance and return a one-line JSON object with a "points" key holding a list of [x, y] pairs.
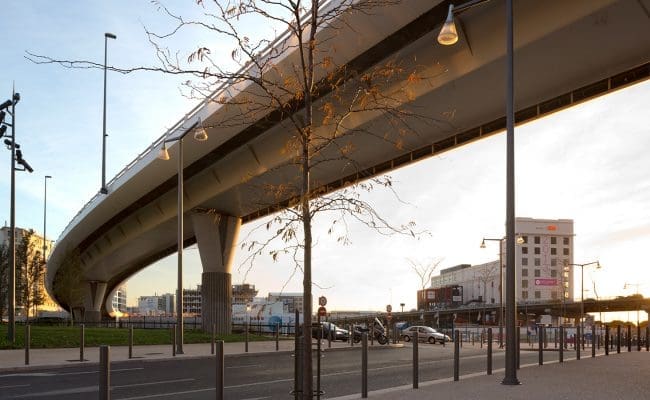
{"points": [[297, 376], [364, 365], [618, 339], [577, 341], [629, 338], [82, 341], [638, 338], [277, 337], [372, 335], [518, 345], [351, 335], [246, 339], [130, 342], [330, 337], [27, 342], [489, 351], [212, 338], [416, 364], [104, 373], [593, 337], [647, 338], [456, 356], [174, 341], [606, 340], [220, 368], [561, 344], [540, 343], [555, 338]]}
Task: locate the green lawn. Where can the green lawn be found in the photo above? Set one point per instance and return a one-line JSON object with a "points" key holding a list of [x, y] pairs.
{"points": [[63, 336]]}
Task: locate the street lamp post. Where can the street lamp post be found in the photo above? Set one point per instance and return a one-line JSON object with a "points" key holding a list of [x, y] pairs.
{"points": [[201, 135], [500, 287], [45, 218], [582, 290], [103, 189], [627, 285], [16, 157], [448, 36]]}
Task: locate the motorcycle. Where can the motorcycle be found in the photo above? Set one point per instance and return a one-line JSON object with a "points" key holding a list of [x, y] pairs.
{"points": [[379, 332]]}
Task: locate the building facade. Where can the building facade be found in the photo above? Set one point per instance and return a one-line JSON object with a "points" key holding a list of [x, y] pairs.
{"points": [[119, 299], [39, 247], [544, 254], [243, 294], [192, 301], [158, 305]]}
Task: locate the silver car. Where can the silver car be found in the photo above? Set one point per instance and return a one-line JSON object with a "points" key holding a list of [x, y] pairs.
{"points": [[425, 334]]}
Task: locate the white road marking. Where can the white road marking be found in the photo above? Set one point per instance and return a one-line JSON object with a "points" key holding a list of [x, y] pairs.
{"points": [[244, 366], [152, 383], [174, 394], [13, 386]]}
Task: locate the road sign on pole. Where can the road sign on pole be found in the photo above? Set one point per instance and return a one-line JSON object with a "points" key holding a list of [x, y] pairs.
{"points": [[322, 311], [322, 301], [389, 308]]}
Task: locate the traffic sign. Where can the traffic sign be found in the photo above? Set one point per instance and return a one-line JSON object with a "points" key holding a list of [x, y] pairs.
{"points": [[322, 301], [389, 308], [322, 311]]}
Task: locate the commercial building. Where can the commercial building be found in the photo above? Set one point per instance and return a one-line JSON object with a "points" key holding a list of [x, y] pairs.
{"points": [[192, 301], [119, 299], [156, 305], [243, 294], [544, 254]]}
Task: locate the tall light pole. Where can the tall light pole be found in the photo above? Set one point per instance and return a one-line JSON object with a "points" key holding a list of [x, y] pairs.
{"points": [[201, 135], [16, 157], [500, 286], [582, 289], [45, 218], [448, 36], [627, 285], [103, 189]]}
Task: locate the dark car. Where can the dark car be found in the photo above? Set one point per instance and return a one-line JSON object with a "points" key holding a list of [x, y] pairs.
{"points": [[337, 333]]}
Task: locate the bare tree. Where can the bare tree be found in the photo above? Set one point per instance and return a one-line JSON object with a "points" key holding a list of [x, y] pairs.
{"points": [[295, 81], [486, 274], [424, 271]]}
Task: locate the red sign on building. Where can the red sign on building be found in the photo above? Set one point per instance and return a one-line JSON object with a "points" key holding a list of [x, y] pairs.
{"points": [[545, 282]]}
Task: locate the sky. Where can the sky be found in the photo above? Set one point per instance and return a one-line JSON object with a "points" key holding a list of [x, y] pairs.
{"points": [[587, 163]]}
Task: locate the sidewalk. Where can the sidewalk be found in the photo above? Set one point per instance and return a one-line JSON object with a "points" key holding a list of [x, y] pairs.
{"points": [[617, 376], [621, 376], [14, 360]]}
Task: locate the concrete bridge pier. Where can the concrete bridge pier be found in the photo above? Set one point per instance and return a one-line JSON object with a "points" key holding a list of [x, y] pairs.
{"points": [[94, 292], [216, 236]]}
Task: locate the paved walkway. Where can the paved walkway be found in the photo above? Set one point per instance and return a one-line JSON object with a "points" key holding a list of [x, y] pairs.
{"points": [[624, 376], [14, 360], [617, 376]]}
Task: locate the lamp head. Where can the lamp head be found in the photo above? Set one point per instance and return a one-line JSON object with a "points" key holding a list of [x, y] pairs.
{"points": [[3, 129], [48, 177], [483, 243], [110, 35], [163, 154], [200, 134], [16, 98], [6, 104], [448, 34]]}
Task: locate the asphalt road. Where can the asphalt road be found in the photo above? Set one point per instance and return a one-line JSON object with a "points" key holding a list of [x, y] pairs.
{"points": [[253, 376]]}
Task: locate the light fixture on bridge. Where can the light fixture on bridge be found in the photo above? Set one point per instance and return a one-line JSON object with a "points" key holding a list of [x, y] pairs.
{"points": [[163, 154], [200, 134], [448, 34]]}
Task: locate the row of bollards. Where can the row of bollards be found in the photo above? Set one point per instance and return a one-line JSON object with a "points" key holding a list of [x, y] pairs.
{"points": [[105, 372]]}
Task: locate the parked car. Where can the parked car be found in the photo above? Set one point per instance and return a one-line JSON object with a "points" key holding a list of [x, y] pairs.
{"points": [[425, 334], [338, 333]]}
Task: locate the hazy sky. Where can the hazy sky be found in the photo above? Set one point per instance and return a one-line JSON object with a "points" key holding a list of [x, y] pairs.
{"points": [[588, 163]]}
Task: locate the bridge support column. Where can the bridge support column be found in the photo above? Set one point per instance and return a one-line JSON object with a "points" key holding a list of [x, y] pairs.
{"points": [[216, 236], [94, 292]]}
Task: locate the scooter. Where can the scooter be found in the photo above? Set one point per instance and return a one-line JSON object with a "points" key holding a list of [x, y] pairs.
{"points": [[379, 332]]}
